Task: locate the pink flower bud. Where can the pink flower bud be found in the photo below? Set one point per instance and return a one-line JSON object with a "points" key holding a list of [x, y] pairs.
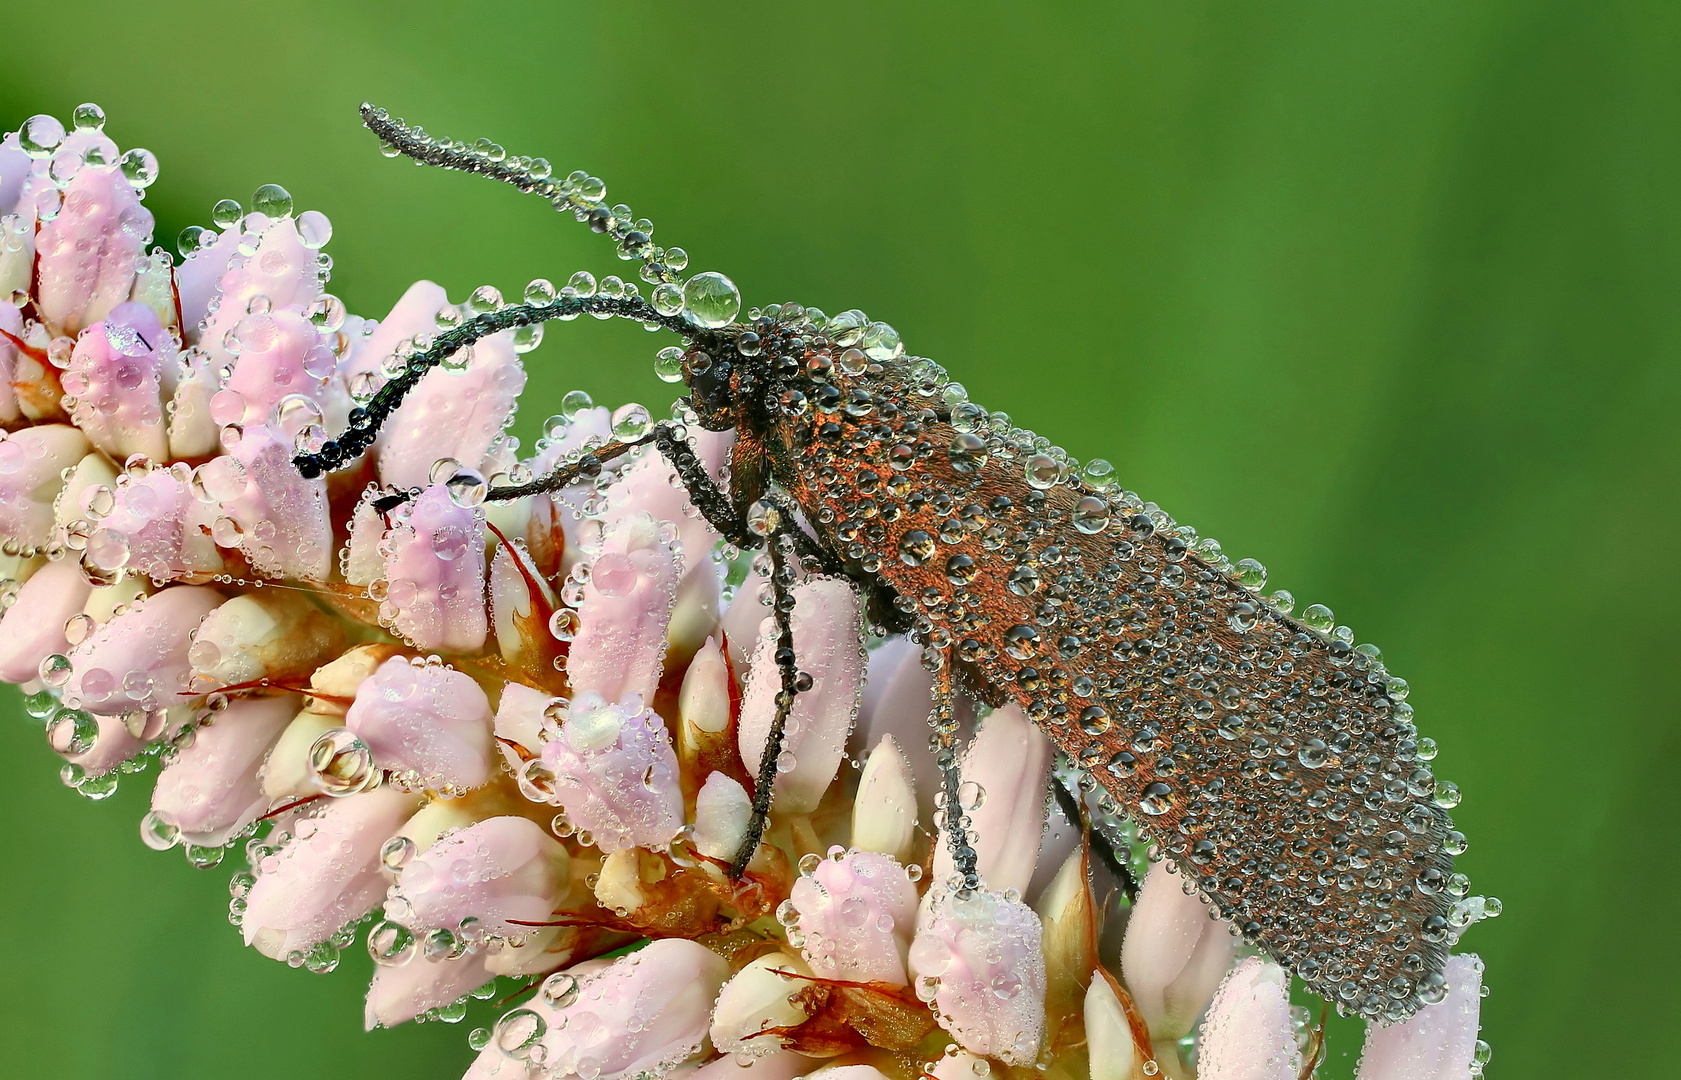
{"points": [[1248, 1033], [211, 789], [266, 635], [139, 658], [15, 169], [430, 721], [1005, 772], [884, 811], [780, 1065], [87, 255], [435, 574], [515, 614], [722, 811], [519, 718], [193, 434], [154, 525], [1175, 954], [1109, 1042], [620, 645], [759, 997], [1440, 1041], [501, 869], [326, 876], [281, 354], [857, 914], [198, 279], [119, 738], [283, 272], [977, 962], [898, 698], [11, 321], [115, 379], [33, 627], [452, 414], [853, 1072], [270, 512], [639, 1015], [401, 992], [828, 626], [414, 314], [615, 774], [32, 463], [649, 486]]}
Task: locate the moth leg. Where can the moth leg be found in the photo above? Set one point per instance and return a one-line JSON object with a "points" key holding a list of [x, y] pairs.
{"points": [[1110, 850], [942, 718], [568, 473], [782, 551]]}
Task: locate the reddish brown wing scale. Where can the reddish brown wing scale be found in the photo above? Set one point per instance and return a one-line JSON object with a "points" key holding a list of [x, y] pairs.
{"points": [[1269, 762]]}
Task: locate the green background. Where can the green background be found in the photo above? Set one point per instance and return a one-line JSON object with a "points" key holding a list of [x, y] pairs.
{"points": [[1382, 294]]}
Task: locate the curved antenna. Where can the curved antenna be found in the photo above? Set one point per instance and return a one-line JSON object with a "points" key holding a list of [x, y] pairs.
{"points": [[365, 421], [584, 195]]}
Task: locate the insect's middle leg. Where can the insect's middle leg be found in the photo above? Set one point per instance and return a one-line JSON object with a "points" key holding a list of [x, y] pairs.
{"points": [[782, 554]]}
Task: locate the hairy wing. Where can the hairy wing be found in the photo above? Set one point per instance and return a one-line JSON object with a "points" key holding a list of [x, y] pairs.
{"points": [[1272, 764]]}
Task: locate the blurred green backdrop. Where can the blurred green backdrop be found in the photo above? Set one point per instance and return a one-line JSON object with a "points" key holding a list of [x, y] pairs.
{"points": [[1383, 294]]}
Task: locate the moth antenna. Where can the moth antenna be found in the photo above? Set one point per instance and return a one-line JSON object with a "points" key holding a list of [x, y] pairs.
{"points": [[580, 193], [366, 420]]}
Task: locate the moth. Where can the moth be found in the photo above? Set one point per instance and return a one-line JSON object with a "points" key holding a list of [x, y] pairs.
{"points": [[1275, 763]]}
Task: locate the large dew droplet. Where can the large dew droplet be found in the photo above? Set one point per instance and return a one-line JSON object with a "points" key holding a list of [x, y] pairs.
{"points": [[711, 300]]}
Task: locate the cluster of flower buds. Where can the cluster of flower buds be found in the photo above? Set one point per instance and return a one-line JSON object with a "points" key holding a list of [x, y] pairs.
{"points": [[517, 739]]}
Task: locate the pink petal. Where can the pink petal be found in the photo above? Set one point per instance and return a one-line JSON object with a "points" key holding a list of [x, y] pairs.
{"points": [[1440, 1041], [414, 314], [1175, 954], [281, 354], [828, 627], [326, 876], [501, 869], [1248, 1033], [425, 719], [87, 255], [781, 1065], [620, 645], [198, 280], [33, 627], [615, 774], [115, 379], [32, 464], [452, 414], [435, 574], [978, 962], [211, 790], [402, 992], [283, 272], [1009, 764], [139, 658], [155, 527], [272, 514], [857, 913], [640, 1014]]}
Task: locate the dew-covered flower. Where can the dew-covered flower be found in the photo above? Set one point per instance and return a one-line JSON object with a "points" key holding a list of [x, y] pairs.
{"points": [[520, 739]]}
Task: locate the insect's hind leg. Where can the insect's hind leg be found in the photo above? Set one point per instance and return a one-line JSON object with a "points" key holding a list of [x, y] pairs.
{"points": [[942, 719]]}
